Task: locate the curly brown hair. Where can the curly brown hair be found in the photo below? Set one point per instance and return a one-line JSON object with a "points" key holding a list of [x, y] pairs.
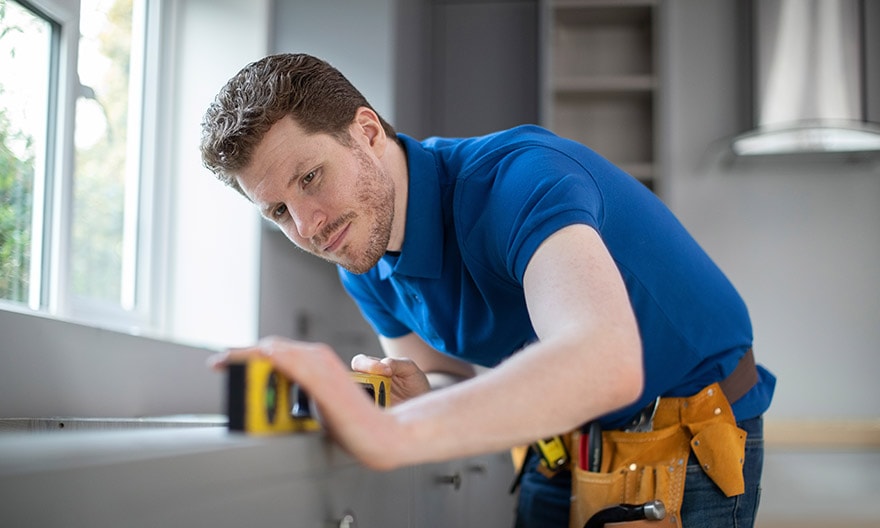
{"points": [[310, 90]]}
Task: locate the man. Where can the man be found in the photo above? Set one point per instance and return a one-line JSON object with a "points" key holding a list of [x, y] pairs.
{"points": [[519, 251]]}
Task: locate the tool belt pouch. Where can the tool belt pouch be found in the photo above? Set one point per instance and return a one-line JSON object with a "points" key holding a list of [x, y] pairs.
{"points": [[639, 467]]}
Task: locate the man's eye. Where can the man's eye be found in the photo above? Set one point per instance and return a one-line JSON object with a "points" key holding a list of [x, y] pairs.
{"points": [[307, 179], [279, 211]]}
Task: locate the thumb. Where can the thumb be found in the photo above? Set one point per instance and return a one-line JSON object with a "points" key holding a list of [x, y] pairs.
{"points": [[403, 367], [370, 365]]}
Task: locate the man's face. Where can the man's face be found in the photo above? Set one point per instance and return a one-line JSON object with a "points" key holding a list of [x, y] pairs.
{"points": [[332, 200]]}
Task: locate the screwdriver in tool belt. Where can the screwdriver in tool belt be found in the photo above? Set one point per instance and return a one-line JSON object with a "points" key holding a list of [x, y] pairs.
{"points": [[594, 446]]}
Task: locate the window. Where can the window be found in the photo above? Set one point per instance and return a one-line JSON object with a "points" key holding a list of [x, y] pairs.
{"points": [[25, 57], [103, 238], [70, 240], [97, 216]]}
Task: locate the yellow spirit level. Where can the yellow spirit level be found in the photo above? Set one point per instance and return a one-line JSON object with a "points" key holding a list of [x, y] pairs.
{"points": [[261, 401], [377, 386]]}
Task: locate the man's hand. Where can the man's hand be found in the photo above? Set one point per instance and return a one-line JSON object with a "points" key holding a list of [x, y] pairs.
{"points": [[357, 424], [407, 379], [302, 361]]}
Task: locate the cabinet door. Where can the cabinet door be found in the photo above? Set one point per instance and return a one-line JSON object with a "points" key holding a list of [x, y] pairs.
{"points": [[437, 498], [217, 488], [485, 66], [486, 484], [370, 498], [470, 493]]}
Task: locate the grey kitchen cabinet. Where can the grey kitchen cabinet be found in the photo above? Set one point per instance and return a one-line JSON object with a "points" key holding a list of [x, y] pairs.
{"points": [[487, 498], [439, 489], [472, 492], [206, 476], [485, 66], [468, 67]]}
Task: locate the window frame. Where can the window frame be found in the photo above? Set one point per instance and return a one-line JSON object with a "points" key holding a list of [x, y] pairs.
{"points": [[50, 290], [51, 191]]}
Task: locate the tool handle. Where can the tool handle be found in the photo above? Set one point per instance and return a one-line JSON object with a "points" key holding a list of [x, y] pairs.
{"points": [[594, 447], [651, 510]]}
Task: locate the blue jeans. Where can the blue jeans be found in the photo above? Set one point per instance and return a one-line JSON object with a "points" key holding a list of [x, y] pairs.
{"points": [[544, 503]]}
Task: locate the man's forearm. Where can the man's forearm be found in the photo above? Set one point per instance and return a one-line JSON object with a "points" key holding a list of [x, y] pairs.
{"points": [[440, 380]]}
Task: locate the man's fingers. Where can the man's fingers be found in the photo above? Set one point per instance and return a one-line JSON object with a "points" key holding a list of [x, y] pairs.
{"points": [[370, 365], [222, 359]]}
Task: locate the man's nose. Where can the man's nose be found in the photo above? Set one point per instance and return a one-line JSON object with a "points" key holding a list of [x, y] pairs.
{"points": [[308, 221]]}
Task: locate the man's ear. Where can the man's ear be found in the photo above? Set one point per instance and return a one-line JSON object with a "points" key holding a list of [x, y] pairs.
{"points": [[368, 126]]}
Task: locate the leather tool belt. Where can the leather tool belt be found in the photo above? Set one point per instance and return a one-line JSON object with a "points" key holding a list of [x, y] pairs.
{"points": [[638, 467]]}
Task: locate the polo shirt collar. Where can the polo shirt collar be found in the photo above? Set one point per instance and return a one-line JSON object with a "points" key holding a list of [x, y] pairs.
{"points": [[422, 253]]}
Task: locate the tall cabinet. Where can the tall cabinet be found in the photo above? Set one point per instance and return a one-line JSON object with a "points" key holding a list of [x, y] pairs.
{"points": [[599, 78], [468, 67]]}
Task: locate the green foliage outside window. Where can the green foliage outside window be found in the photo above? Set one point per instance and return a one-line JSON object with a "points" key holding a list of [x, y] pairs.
{"points": [[99, 185], [16, 199], [97, 218]]}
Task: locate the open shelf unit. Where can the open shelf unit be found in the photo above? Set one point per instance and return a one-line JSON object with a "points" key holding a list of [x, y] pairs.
{"points": [[599, 78]]}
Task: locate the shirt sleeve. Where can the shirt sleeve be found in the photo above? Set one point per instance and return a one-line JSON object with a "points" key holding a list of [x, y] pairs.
{"points": [[522, 201]]}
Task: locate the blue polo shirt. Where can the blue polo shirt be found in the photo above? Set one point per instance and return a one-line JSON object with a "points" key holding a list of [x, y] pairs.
{"points": [[478, 208]]}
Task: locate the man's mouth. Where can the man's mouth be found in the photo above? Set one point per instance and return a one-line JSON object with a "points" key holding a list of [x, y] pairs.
{"points": [[335, 240]]}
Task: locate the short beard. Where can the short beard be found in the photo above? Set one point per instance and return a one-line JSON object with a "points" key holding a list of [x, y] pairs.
{"points": [[375, 191]]}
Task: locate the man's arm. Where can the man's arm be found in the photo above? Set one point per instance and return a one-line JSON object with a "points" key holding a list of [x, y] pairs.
{"points": [[587, 363]]}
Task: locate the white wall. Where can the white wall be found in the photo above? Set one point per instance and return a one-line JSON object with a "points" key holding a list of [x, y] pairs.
{"points": [[355, 37], [215, 238]]}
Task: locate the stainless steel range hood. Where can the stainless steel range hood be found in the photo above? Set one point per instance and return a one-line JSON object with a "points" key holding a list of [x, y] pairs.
{"points": [[808, 79]]}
